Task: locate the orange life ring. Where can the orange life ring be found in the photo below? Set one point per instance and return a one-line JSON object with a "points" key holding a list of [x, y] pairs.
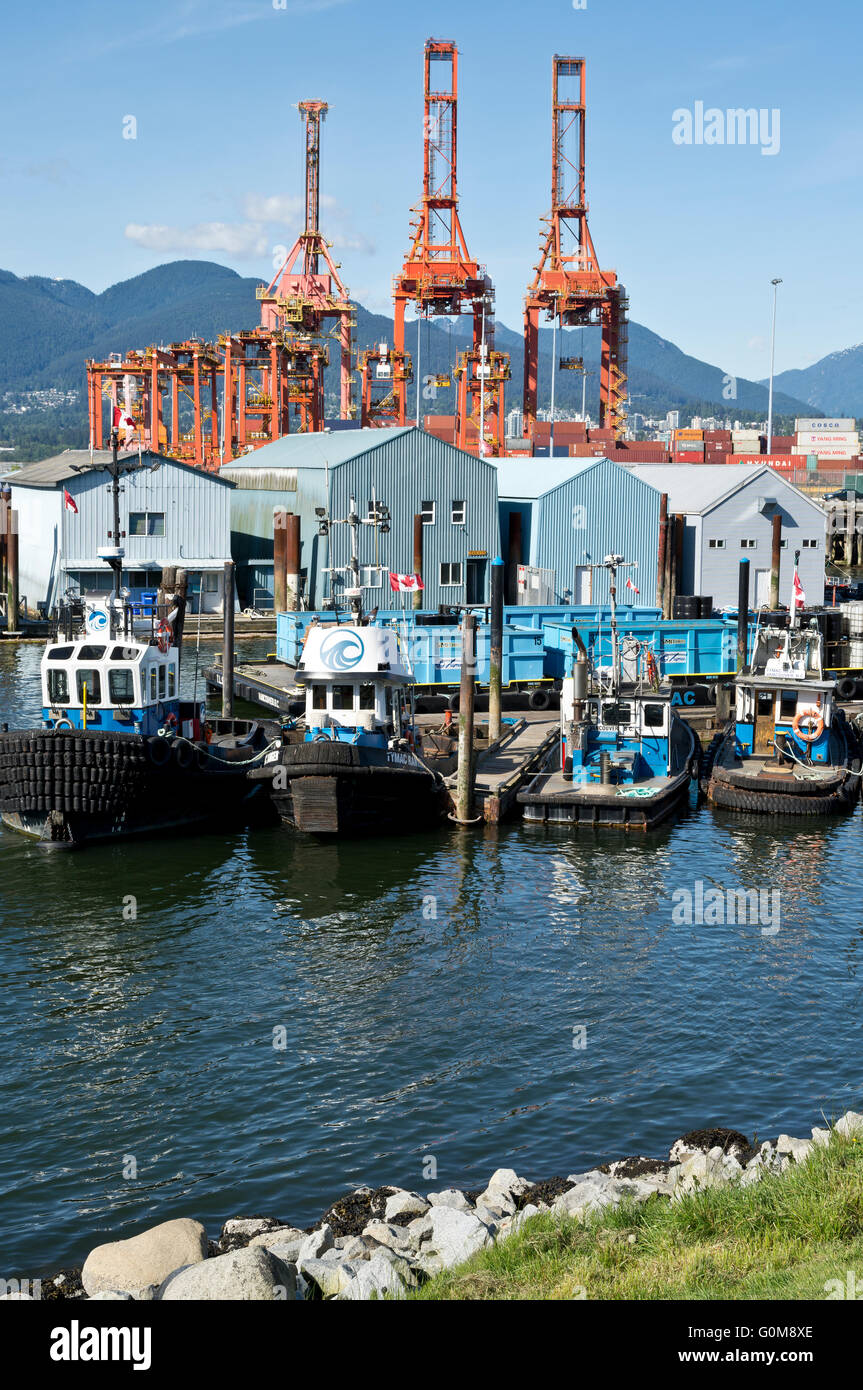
{"points": [[818, 727], [652, 669], [208, 734], [163, 637]]}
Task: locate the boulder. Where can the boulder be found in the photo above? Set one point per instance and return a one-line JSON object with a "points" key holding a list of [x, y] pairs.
{"points": [[240, 1230], [450, 1197], [455, 1236], [395, 1237], [405, 1204], [315, 1245], [110, 1296], [148, 1258], [821, 1138], [712, 1169], [582, 1199], [326, 1279], [240, 1276], [284, 1240], [378, 1277], [505, 1182], [850, 1124], [798, 1149]]}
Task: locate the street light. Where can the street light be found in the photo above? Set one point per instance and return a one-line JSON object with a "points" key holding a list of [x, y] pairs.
{"points": [[775, 284]]}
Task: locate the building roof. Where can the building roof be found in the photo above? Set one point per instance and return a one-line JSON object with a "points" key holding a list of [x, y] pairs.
{"points": [[525, 479], [52, 472], [318, 449], [696, 488]]}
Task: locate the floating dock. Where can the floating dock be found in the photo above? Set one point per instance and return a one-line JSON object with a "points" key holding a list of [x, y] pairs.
{"points": [[506, 765]]}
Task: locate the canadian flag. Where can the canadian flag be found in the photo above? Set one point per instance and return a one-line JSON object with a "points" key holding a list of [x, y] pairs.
{"points": [[405, 583], [123, 422], [69, 501], [630, 585], [799, 596]]}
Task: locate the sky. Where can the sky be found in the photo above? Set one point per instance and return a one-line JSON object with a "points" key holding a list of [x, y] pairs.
{"points": [[695, 229]]}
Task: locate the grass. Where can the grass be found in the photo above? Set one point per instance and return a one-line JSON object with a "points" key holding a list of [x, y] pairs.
{"points": [[781, 1238]]}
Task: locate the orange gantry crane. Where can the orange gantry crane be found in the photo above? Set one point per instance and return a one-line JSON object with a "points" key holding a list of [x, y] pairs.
{"points": [[438, 275], [303, 296], [384, 372], [568, 284]]}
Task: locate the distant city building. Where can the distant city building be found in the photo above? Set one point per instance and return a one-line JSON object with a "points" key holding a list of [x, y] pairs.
{"points": [[672, 420], [514, 421]]}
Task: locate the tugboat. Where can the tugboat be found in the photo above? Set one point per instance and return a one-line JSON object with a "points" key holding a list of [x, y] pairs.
{"points": [[625, 759], [790, 751], [358, 767], [118, 752]]}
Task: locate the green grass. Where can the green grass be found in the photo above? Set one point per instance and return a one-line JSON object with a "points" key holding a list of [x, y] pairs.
{"points": [[781, 1238]]}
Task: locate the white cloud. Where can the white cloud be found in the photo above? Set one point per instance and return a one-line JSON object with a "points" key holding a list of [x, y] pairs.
{"points": [[237, 238], [277, 207]]}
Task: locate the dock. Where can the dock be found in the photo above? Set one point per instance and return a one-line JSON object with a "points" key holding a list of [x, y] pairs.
{"points": [[506, 765], [271, 684]]}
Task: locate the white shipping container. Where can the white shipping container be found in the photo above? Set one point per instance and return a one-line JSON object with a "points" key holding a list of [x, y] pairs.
{"points": [[837, 437], [827, 451], [806, 426]]}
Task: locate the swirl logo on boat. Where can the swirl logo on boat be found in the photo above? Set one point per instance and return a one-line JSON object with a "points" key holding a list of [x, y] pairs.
{"points": [[342, 652], [97, 620]]}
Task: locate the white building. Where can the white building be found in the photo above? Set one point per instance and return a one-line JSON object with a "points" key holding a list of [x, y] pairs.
{"points": [[172, 514]]}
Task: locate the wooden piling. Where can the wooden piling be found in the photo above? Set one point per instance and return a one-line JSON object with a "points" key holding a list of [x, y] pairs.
{"points": [[228, 650], [292, 561], [467, 693], [495, 660], [280, 560]]}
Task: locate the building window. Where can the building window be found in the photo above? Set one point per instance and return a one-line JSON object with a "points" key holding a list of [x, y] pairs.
{"points": [[748, 545], [715, 545], [810, 545], [459, 513], [371, 577], [450, 575], [783, 544], [211, 582], [146, 523], [427, 511]]}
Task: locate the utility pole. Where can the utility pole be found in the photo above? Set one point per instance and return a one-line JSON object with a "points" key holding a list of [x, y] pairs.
{"points": [[775, 284]]}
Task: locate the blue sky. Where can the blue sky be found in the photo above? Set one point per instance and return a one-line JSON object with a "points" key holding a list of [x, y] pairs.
{"points": [[695, 231]]}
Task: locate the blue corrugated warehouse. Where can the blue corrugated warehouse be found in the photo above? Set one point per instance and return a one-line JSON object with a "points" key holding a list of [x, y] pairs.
{"points": [[571, 513], [409, 471]]}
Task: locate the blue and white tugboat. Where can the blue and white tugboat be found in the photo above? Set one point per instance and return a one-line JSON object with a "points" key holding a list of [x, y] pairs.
{"points": [[359, 769], [625, 759], [118, 751], [789, 751]]}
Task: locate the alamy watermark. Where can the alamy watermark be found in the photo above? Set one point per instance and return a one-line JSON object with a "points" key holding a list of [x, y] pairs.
{"points": [[735, 126], [718, 907]]}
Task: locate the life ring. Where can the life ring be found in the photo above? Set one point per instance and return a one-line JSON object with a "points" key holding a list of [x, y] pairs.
{"points": [[810, 716], [320, 737], [652, 669], [208, 734], [63, 724], [163, 636]]}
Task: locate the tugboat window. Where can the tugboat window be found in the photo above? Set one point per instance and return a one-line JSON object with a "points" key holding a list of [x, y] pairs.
{"points": [[343, 697], [60, 653], [152, 682], [654, 716], [765, 702], [319, 697], [58, 685], [162, 682], [172, 683], [617, 714], [90, 678], [121, 686], [367, 695], [91, 653]]}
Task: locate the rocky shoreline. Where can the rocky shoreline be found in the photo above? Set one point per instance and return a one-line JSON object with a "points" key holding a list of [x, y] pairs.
{"points": [[382, 1242]]}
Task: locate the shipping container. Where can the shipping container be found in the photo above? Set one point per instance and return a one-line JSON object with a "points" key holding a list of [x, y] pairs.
{"points": [[805, 426]]}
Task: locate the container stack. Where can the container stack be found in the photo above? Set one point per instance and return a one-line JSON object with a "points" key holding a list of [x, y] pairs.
{"points": [[834, 442]]}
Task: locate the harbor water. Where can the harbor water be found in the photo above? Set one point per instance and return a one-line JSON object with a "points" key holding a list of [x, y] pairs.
{"points": [[211, 1027]]}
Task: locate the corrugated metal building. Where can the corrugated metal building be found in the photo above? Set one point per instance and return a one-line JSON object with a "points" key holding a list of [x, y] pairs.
{"points": [[729, 510], [574, 512], [172, 515], [409, 471]]}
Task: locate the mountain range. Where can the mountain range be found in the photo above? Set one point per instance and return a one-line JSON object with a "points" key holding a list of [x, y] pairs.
{"points": [[48, 327]]}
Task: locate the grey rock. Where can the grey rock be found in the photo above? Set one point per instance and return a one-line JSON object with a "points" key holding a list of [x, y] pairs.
{"points": [[110, 1296], [798, 1149], [505, 1182], [455, 1236], [148, 1258], [450, 1197], [850, 1124], [315, 1245], [579, 1201], [285, 1240], [821, 1138], [250, 1274], [405, 1204], [375, 1277], [395, 1237], [326, 1279]]}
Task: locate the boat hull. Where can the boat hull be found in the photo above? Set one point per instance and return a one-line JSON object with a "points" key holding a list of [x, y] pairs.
{"points": [[605, 809], [65, 789], [342, 789], [766, 787]]}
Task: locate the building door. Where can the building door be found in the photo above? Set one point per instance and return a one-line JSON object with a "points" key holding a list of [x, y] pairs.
{"points": [[475, 577], [583, 584], [762, 588], [765, 722]]}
